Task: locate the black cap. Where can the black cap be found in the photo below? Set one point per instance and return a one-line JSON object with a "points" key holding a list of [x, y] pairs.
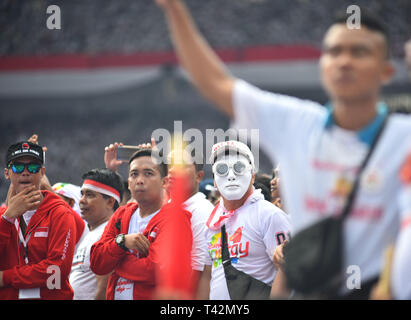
{"points": [[22, 149]]}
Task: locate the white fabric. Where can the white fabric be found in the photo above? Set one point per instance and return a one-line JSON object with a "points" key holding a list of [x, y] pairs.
{"points": [[200, 209], [401, 270], [70, 191], [253, 232], [124, 287], [81, 278], [27, 216], [318, 163]]}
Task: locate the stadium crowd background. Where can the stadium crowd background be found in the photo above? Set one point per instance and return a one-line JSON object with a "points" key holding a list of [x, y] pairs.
{"points": [[75, 128]]}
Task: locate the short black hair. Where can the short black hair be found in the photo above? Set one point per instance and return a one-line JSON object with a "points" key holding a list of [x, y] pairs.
{"points": [[370, 21], [161, 165], [262, 181], [107, 177], [199, 166]]}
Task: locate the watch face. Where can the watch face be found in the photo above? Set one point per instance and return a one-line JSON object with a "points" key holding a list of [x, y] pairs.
{"points": [[119, 238]]}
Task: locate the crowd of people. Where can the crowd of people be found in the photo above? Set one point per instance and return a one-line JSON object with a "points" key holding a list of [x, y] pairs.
{"points": [[339, 200], [98, 27], [117, 234]]}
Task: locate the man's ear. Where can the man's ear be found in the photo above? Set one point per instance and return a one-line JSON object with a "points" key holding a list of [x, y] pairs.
{"points": [[388, 72], [165, 181], [71, 202], [110, 202], [199, 176], [6, 174]]}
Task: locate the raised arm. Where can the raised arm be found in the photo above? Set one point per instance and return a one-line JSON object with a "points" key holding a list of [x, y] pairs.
{"points": [[204, 67]]}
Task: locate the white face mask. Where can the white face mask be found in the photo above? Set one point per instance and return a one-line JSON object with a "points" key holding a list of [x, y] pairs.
{"points": [[233, 186]]}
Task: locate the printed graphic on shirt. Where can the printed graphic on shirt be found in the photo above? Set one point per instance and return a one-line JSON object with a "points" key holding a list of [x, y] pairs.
{"points": [[406, 171], [237, 248], [124, 289], [79, 257], [281, 236], [41, 232]]}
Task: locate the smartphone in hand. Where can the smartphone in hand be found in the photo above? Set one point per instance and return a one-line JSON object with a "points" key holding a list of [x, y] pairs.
{"points": [[125, 152]]}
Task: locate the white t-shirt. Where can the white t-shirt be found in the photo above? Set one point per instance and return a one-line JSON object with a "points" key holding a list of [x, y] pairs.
{"points": [[81, 278], [401, 269], [318, 164], [254, 231], [200, 209], [124, 287]]}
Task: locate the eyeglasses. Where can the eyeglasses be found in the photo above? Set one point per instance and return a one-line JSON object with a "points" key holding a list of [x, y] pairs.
{"points": [[239, 168], [18, 167]]}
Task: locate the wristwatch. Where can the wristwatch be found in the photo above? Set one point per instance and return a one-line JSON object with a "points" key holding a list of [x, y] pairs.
{"points": [[121, 241]]}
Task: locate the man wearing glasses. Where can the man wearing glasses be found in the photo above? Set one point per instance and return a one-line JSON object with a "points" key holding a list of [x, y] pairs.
{"points": [[253, 225], [37, 231]]}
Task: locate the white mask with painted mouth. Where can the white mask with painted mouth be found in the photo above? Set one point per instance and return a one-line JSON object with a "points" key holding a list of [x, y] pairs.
{"points": [[232, 175]]}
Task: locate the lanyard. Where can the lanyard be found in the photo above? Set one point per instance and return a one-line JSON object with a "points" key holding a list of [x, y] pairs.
{"points": [[21, 228]]}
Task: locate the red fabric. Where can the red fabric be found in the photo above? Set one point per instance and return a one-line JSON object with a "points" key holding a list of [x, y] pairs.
{"points": [[55, 247], [175, 274], [106, 256], [405, 173]]}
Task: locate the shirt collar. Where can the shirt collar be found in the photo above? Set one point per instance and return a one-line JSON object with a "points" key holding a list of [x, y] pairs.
{"points": [[367, 133], [195, 197]]}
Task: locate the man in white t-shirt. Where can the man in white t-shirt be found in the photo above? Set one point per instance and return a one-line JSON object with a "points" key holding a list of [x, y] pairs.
{"points": [[320, 149], [100, 197], [253, 225], [200, 209]]}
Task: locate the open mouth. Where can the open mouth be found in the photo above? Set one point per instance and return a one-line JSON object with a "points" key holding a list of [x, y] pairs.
{"points": [[25, 183]]}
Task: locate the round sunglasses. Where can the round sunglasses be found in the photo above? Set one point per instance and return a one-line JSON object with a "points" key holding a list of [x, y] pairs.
{"points": [[18, 167], [239, 168]]}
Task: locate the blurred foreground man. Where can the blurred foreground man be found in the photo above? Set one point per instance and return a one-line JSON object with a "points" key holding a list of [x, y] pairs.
{"points": [[321, 148]]}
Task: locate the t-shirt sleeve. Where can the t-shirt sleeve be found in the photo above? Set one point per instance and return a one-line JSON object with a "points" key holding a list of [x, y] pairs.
{"points": [[199, 252], [278, 118], [275, 228]]}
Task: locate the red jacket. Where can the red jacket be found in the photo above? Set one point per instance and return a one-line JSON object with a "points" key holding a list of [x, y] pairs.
{"points": [[106, 255], [52, 238]]}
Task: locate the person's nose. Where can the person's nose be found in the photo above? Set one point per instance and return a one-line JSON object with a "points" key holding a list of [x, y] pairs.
{"points": [[140, 179], [344, 60], [83, 199], [231, 175]]}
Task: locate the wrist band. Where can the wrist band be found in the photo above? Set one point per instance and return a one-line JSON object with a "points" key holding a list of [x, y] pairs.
{"points": [[10, 220]]}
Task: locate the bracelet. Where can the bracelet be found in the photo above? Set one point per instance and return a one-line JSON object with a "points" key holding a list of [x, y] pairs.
{"points": [[9, 220]]}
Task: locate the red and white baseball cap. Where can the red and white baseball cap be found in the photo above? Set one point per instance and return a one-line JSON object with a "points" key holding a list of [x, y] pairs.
{"points": [[234, 148]]}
